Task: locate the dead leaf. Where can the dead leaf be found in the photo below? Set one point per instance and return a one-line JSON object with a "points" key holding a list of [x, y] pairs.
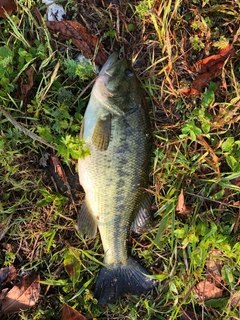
{"points": [[185, 91], [236, 299], [7, 5], [57, 166], [181, 207], [208, 69], [81, 38], [207, 290], [22, 296], [213, 263], [72, 264], [3, 294], [68, 313], [24, 88], [214, 62], [7, 274], [200, 83], [215, 158]]}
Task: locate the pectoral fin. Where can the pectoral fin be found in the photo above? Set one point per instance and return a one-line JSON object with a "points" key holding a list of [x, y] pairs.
{"points": [[102, 133], [87, 224], [144, 219]]}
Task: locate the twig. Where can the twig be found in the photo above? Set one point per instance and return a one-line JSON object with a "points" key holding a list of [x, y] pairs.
{"points": [[84, 90], [26, 131], [208, 199]]}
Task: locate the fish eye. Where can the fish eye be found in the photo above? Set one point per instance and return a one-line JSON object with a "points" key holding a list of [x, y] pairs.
{"points": [[128, 73]]}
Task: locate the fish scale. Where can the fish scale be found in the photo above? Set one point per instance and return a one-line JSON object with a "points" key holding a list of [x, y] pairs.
{"points": [[116, 129]]}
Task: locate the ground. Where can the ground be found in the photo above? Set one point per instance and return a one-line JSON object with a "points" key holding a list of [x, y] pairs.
{"points": [[193, 246]]}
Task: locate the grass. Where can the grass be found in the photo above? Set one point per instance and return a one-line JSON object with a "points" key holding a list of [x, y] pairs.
{"points": [[196, 148]]}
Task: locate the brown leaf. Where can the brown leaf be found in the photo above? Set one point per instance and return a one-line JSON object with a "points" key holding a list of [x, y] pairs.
{"points": [[236, 299], [185, 91], [68, 313], [81, 38], [181, 207], [7, 5], [3, 294], [207, 290], [57, 166], [7, 274], [214, 62], [22, 296], [208, 68], [213, 263], [215, 158], [200, 83], [24, 88]]}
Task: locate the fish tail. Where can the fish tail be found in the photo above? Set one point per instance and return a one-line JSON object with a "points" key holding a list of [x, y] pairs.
{"points": [[112, 282]]}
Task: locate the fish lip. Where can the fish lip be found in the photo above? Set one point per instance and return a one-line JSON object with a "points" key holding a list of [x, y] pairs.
{"points": [[110, 65]]}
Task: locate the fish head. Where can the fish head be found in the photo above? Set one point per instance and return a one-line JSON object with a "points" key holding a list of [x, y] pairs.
{"points": [[118, 83]]}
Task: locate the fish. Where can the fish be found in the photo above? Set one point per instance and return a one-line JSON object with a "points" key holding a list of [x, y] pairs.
{"points": [[116, 129]]}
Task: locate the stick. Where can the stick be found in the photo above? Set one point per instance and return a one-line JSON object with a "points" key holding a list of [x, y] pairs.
{"points": [[26, 131]]}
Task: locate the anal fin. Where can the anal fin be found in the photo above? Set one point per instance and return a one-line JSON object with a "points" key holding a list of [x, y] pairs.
{"points": [[87, 224]]}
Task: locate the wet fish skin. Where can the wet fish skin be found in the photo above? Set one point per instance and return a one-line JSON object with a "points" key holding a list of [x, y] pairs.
{"points": [[116, 128]]}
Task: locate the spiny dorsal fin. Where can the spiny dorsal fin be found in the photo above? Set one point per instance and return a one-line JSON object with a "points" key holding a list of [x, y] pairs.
{"points": [[102, 133]]}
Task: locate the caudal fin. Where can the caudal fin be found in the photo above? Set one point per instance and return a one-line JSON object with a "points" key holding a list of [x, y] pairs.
{"points": [[113, 282]]}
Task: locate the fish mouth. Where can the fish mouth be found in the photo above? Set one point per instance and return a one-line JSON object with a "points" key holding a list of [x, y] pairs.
{"points": [[111, 64]]}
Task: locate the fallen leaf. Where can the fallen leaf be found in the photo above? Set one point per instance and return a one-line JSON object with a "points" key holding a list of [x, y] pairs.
{"points": [[213, 263], [22, 296], [68, 313], [7, 274], [181, 207], [72, 264], [3, 293], [81, 38], [207, 290], [24, 88], [185, 91], [64, 177], [57, 166], [7, 5], [200, 83], [214, 62], [236, 299], [208, 69], [215, 158]]}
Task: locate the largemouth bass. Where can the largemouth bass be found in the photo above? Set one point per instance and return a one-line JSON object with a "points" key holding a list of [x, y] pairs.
{"points": [[116, 129]]}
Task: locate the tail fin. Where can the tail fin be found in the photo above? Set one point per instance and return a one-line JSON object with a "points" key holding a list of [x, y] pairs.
{"points": [[130, 277]]}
